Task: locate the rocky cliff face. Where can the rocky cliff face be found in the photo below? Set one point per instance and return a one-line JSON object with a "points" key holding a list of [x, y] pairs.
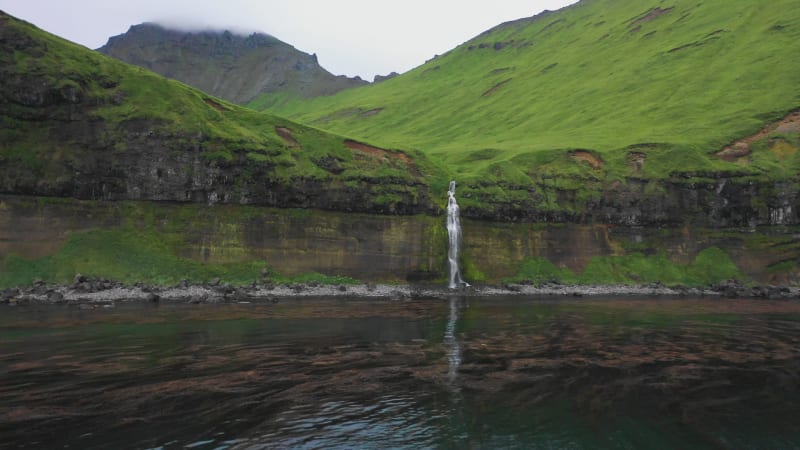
{"points": [[379, 247], [230, 66], [705, 198], [717, 200]]}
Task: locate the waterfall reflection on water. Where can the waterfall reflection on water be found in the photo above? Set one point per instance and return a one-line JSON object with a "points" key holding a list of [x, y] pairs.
{"points": [[451, 341]]}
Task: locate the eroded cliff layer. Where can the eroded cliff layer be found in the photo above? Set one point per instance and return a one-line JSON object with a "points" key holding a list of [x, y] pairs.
{"points": [[54, 239]]}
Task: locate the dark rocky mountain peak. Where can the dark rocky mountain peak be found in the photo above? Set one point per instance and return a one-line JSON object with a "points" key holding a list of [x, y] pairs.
{"points": [[234, 66]]}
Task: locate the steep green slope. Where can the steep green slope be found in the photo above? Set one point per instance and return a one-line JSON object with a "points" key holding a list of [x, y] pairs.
{"points": [[74, 122], [649, 89], [227, 65], [664, 127]]}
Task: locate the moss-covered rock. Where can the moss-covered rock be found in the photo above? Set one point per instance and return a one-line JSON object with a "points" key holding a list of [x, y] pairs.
{"points": [[54, 239]]}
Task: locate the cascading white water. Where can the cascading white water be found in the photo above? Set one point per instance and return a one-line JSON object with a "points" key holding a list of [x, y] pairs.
{"points": [[454, 233]]}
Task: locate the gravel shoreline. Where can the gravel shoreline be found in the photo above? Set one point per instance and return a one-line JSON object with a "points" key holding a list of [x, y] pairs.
{"points": [[89, 293]]}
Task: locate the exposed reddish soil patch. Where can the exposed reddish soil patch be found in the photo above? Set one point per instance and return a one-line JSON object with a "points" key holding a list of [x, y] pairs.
{"points": [[586, 156], [214, 104], [734, 152], [648, 16], [636, 160], [377, 152], [741, 148], [792, 125], [288, 137]]}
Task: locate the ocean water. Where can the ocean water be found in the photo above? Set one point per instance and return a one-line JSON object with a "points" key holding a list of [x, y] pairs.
{"points": [[533, 373]]}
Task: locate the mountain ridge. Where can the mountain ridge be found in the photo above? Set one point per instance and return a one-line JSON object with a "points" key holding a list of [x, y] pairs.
{"points": [[237, 67]]}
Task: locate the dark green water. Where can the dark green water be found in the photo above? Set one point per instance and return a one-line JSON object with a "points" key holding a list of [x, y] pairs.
{"points": [[463, 373]]}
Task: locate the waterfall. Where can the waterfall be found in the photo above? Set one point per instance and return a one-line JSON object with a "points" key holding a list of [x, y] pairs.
{"points": [[454, 234]]}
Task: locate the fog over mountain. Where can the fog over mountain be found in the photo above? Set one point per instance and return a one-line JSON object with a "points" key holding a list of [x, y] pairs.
{"points": [[236, 66], [351, 37]]}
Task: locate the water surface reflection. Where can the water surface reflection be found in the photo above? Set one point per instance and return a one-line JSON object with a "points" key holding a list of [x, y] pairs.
{"points": [[450, 339], [510, 373]]}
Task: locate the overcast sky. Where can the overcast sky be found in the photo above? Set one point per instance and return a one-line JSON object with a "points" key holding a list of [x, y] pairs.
{"points": [[350, 37]]}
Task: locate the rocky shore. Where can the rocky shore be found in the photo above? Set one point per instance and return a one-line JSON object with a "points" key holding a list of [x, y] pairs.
{"points": [[89, 293]]}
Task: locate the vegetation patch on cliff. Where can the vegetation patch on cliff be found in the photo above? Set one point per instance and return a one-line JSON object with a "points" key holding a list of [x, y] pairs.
{"points": [[710, 266], [142, 254]]}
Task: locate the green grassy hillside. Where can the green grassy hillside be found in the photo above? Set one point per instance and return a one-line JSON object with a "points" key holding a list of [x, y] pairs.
{"points": [[648, 88], [614, 111], [74, 122], [75, 78]]}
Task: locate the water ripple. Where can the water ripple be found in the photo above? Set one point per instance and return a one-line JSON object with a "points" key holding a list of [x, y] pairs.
{"points": [[611, 373]]}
